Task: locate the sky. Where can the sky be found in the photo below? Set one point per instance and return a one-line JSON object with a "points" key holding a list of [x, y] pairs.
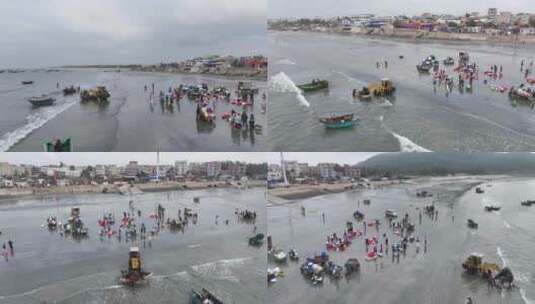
{"points": [[122, 158], [313, 8], [60, 32]]}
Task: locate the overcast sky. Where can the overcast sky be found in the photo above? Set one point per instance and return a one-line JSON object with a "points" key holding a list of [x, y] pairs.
{"points": [[58, 32], [350, 158], [312, 8], [92, 158]]}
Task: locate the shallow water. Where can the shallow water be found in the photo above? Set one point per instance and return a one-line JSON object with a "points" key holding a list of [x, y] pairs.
{"points": [[435, 276], [416, 118], [127, 123], [49, 268]]}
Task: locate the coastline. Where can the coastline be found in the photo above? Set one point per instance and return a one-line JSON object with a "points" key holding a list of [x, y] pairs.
{"points": [[29, 193], [300, 192], [420, 36], [230, 74]]}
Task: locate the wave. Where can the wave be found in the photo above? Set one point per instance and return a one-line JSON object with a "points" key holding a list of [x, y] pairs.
{"points": [[283, 84], [387, 103], [506, 224], [285, 61], [194, 246], [406, 145], [221, 269], [525, 298], [502, 256], [34, 121]]}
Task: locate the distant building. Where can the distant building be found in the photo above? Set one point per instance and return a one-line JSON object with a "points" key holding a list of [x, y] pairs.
{"points": [[181, 167], [492, 14], [131, 170], [327, 171], [213, 169]]}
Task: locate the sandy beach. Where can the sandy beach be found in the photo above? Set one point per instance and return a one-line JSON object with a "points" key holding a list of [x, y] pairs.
{"points": [[430, 275]]}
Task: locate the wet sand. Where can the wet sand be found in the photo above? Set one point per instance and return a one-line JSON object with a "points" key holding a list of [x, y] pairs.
{"points": [[435, 276], [48, 268]]}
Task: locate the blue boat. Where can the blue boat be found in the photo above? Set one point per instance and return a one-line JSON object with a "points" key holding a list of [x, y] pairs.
{"points": [[338, 121]]}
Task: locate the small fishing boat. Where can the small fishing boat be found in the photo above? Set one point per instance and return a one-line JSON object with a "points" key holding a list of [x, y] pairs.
{"points": [[61, 146], [472, 224], [315, 85], [423, 68], [294, 256], [41, 101], [69, 91], [100, 94], [134, 275], [449, 61], [26, 82], [352, 265], [257, 240], [204, 297], [278, 256], [338, 121], [479, 190], [527, 203], [492, 208]]}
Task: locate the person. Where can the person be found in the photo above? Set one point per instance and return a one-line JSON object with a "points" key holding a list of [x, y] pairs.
{"points": [[251, 121], [244, 118], [58, 146]]}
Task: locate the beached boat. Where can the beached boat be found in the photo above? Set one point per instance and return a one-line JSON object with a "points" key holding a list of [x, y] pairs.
{"points": [[449, 61], [204, 297], [69, 91], [315, 85], [100, 94], [352, 265], [257, 240], [527, 203], [472, 224], [492, 208], [423, 68], [41, 101], [479, 190], [390, 214], [26, 82], [338, 121], [61, 146]]}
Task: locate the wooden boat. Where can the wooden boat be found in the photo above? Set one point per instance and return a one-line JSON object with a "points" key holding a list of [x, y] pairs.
{"points": [[41, 101], [204, 297], [100, 94], [527, 203], [315, 85], [472, 224], [69, 91], [423, 68], [256, 240], [25, 82], [492, 208], [66, 146], [449, 61], [338, 121]]}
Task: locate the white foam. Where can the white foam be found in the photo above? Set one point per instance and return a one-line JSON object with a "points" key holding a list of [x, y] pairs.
{"points": [[406, 145], [285, 61], [283, 84], [506, 224], [525, 298], [34, 121], [194, 245], [502, 256], [387, 103]]}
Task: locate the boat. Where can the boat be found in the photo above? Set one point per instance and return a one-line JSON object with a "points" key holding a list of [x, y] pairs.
{"points": [[134, 275], [390, 214], [338, 121], [294, 256], [359, 216], [62, 146], [527, 203], [204, 297], [41, 101], [52, 223], [334, 271], [196, 200], [257, 240], [352, 265], [312, 271], [69, 91], [100, 94], [492, 208], [401, 56], [479, 190], [363, 94], [315, 85], [278, 256], [423, 68], [449, 61], [26, 82], [472, 224]]}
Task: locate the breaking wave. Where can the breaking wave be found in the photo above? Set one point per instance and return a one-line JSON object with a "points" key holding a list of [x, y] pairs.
{"points": [[406, 145], [285, 61], [34, 121], [283, 84]]}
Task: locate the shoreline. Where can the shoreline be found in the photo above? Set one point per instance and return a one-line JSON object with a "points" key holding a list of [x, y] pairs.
{"points": [[7, 195], [236, 75], [417, 36], [300, 192]]}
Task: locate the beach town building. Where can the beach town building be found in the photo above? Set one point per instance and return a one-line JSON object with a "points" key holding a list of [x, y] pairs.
{"points": [[327, 170], [181, 167]]}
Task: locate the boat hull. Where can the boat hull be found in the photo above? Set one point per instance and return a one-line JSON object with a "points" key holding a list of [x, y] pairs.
{"points": [[42, 102]]}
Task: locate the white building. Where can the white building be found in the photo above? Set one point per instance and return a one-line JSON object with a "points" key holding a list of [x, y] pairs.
{"points": [[181, 167], [213, 168], [327, 170]]}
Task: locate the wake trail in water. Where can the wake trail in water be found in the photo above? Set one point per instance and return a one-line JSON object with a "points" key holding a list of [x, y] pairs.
{"points": [[285, 61], [34, 121], [283, 84]]}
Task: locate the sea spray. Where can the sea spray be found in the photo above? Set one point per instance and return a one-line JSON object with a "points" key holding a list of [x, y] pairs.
{"points": [[283, 84], [406, 145], [34, 121]]}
